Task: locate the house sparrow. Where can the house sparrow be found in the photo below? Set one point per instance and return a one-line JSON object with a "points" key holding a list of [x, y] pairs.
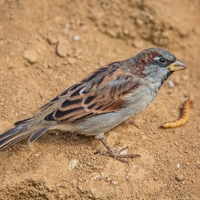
{"points": [[107, 97]]}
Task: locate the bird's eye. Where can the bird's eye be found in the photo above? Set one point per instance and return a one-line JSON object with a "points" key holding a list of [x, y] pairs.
{"points": [[162, 60]]}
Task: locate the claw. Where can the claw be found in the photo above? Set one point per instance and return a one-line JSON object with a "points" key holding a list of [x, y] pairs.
{"points": [[132, 122], [117, 154]]}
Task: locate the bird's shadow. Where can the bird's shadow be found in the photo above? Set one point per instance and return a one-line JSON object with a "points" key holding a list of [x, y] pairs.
{"points": [[65, 138]]}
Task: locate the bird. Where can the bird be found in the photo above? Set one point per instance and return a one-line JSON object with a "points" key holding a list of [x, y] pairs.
{"points": [[103, 100]]}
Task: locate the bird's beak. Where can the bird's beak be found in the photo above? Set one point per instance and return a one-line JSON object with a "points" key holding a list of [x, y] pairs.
{"points": [[177, 65]]}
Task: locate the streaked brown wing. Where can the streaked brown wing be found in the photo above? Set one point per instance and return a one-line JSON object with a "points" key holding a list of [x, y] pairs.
{"points": [[62, 95], [102, 92]]}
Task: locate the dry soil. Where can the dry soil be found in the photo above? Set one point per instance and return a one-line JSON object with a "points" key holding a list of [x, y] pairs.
{"points": [[46, 46]]}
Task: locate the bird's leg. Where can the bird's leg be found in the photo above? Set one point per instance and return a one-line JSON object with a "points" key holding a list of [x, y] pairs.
{"points": [[132, 122], [117, 154]]}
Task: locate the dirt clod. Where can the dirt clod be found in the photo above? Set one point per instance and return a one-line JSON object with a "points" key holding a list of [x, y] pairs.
{"points": [[179, 177], [62, 47], [52, 39], [31, 56]]}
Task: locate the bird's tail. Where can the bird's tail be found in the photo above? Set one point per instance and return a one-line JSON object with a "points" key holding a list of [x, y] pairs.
{"points": [[20, 131]]}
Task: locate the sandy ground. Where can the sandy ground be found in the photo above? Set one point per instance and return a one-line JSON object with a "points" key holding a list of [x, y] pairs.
{"points": [[46, 46]]}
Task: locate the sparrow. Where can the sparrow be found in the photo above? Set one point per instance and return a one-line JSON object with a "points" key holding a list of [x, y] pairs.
{"points": [[104, 99]]}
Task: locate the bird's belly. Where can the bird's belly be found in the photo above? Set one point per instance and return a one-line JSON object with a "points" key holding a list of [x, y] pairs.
{"points": [[94, 125]]}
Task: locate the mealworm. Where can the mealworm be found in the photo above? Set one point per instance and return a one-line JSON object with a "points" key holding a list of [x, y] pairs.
{"points": [[183, 118]]}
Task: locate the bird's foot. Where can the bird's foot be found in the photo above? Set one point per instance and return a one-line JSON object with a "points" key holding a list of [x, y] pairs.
{"points": [[117, 155], [132, 122]]}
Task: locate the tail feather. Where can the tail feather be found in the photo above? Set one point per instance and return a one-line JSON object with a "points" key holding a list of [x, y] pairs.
{"points": [[12, 140], [37, 134], [13, 136], [25, 121], [10, 132], [18, 133]]}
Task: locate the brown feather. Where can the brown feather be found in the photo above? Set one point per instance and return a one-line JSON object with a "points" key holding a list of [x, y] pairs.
{"points": [[99, 93]]}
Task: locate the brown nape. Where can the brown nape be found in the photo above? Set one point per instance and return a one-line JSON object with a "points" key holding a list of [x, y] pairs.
{"points": [[137, 64]]}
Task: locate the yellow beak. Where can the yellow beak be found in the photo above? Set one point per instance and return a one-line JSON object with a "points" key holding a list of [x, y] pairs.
{"points": [[177, 65]]}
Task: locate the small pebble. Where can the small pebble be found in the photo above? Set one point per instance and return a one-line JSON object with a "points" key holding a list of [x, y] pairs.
{"points": [[31, 56], [138, 43], [179, 177], [139, 22], [126, 31], [178, 165], [77, 38], [96, 177], [176, 143], [171, 84], [80, 179], [114, 182], [72, 164], [71, 61], [52, 39], [62, 48]]}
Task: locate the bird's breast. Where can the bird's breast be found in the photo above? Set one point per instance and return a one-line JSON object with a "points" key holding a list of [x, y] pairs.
{"points": [[140, 99]]}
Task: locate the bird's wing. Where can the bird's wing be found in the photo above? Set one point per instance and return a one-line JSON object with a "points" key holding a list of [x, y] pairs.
{"points": [[103, 91]]}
